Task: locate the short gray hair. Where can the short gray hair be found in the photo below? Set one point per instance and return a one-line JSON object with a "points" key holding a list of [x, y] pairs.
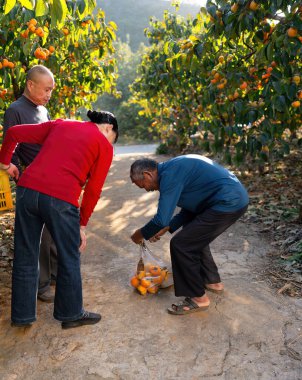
{"points": [[140, 166]]}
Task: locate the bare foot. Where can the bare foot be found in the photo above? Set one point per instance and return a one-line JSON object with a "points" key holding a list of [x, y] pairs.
{"points": [[200, 301], [218, 286]]}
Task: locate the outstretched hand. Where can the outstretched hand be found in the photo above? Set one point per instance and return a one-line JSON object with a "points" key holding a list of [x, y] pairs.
{"points": [[137, 237], [160, 233]]}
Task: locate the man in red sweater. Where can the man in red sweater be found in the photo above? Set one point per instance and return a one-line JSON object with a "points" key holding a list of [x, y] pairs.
{"points": [[74, 155]]}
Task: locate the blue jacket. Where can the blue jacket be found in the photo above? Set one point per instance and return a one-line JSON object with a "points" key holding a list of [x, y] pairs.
{"points": [[194, 183]]}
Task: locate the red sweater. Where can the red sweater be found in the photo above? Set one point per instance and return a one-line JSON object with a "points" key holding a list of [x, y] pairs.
{"points": [[73, 153]]}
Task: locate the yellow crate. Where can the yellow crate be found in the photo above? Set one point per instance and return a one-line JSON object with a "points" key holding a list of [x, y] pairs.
{"points": [[6, 201]]}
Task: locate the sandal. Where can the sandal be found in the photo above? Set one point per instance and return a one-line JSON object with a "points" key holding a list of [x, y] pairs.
{"points": [[178, 309]]}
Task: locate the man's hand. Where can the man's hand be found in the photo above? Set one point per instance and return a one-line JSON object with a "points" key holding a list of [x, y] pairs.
{"points": [[160, 233], [83, 239], [137, 237], [12, 170]]}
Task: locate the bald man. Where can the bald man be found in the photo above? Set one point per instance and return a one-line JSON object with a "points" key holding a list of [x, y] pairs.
{"points": [[30, 109]]}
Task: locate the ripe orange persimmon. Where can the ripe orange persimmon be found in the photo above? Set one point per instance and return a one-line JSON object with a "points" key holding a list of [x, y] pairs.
{"points": [[145, 283], [141, 274], [134, 281], [155, 270], [39, 32], [51, 48], [234, 8], [292, 32], [152, 289], [296, 104], [221, 59], [25, 33], [142, 290], [243, 86], [33, 21], [40, 54], [5, 62], [65, 31], [31, 28], [253, 5]]}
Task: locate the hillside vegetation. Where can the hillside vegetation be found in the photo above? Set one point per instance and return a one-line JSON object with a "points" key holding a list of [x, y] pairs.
{"points": [[133, 16]]}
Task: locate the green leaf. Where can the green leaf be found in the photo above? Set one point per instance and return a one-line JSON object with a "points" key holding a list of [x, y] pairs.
{"points": [[9, 5], [27, 4], [41, 8], [238, 107], [59, 11], [198, 49], [81, 5], [27, 48], [279, 103], [269, 50], [278, 87], [166, 48], [291, 91]]}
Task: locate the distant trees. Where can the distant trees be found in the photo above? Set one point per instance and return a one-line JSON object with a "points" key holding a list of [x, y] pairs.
{"points": [[134, 126], [233, 75]]}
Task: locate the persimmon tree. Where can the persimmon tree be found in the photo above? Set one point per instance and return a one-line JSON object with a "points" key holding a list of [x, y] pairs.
{"points": [[232, 75], [71, 38]]}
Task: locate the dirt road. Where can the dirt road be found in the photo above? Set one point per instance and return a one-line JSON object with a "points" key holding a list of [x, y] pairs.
{"points": [[249, 333]]}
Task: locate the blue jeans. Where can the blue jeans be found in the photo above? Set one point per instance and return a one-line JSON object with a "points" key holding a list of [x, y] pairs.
{"points": [[33, 209]]}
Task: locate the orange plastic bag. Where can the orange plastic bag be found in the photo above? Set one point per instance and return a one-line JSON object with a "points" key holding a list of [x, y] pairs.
{"points": [[151, 273]]}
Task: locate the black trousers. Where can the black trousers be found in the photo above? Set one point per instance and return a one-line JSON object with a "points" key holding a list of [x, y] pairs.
{"points": [[192, 263]]}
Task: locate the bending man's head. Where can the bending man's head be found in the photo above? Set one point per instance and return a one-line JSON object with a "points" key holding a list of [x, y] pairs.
{"points": [[143, 173], [39, 85]]}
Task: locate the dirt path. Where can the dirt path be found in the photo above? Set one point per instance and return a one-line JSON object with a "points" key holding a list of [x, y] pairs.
{"points": [[249, 333]]}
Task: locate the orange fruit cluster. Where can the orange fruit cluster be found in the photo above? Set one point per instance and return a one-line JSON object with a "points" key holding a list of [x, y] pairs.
{"points": [[41, 53], [6, 63], [32, 28], [149, 279]]}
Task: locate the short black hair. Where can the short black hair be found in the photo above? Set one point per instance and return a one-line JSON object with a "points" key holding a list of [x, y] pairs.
{"points": [[104, 117], [139, 166]]}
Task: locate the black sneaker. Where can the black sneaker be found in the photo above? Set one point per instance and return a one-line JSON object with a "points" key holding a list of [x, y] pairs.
{"points": [[87, 319]]}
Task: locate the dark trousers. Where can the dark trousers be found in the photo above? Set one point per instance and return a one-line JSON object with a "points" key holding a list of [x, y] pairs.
{"points": [[47, 261], [192, 262], [33, 210]]}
